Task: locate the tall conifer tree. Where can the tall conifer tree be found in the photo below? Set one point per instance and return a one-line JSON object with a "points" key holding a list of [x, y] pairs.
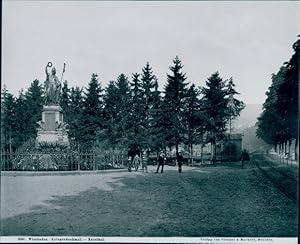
{"points": [[34, 103], [90, 121], [216, 105], [174, 103], [7, 119], [65, 101], [75, 114], [124, 107]]}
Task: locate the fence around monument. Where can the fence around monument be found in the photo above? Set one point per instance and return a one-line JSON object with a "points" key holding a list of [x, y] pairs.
{"points": [[61, 161]]}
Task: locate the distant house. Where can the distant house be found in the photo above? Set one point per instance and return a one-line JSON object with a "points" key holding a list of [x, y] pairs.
{"points": [[228, 149], [231, 148]]}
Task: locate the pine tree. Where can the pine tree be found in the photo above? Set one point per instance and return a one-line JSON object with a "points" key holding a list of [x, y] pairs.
{"points": [[90, 121], [156, 122], [149, 82], [173, 105], [215, 105], [7, 119], [110, 112], [34, 104], [124, 108], [194, 119], [136, 129], [65, 101], [235, 106], [147, 85], [75, 114], [22, 121]]}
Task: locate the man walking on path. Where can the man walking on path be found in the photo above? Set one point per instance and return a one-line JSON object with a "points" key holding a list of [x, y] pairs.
{"points": [[161, 162], [130, 160], [179, 159], [136, 162], [244, 157], [145, 161]]}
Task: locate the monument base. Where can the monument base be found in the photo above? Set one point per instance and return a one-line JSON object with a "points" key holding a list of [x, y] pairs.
{"points": [[52, 137], [52, 130]]}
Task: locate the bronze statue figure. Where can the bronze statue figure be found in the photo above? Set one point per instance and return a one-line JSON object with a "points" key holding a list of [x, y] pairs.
{"points": [[52, 86]]}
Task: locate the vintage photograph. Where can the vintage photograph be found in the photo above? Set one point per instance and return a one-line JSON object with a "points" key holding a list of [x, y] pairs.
{"points": [[150, 121]]}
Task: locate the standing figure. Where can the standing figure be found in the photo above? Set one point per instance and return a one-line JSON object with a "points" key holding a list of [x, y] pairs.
{"points": [[244, 157], [179, 159], [136, 162], [129, 163], [52, 86], [161, 162], [145, 161]]}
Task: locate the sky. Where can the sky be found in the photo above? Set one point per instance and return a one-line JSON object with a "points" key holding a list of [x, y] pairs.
{"points": [[245, 40]]}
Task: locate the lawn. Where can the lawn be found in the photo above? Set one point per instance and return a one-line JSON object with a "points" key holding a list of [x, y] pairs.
{"points": [[205, 201]]}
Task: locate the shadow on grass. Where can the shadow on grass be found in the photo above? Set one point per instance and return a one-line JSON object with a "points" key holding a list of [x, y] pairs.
{"points": [[189, 204]]}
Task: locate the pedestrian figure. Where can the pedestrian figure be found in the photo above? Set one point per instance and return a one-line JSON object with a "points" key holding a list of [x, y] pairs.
{"points": [[136, 162], [244, 157], [179, 159], [129, 163], [145, 161], [161, 162]]}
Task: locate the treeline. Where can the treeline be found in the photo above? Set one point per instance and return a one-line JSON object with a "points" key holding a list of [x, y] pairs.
{"points": [[130, 113], [278, 125]]}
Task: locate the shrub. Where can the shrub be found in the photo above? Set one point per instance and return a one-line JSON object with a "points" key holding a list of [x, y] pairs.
{"points": [[231, 152]]}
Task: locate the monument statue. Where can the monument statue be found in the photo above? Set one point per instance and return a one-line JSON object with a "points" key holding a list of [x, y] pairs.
{"points": [[52, 86], [52, 129]]}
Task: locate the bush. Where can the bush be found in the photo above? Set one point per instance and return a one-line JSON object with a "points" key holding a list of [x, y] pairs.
{"points": [[231, 152]]}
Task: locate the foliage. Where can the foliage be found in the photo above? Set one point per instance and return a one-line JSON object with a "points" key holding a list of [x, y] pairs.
{"points": [[136, 125], [278, 123], [34, 105], [231, 151], [65, 102], [156, 122], [90, 120], [7, 119], [127, 116], [74, 116], [116, 113], [234, 106], [174, 104], [220, 107]]}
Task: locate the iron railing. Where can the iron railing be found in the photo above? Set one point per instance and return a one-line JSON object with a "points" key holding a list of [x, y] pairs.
{"points": [[63, 161]]}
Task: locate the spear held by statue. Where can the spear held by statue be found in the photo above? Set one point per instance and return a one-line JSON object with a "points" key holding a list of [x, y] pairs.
{"points": [[64, 69]]}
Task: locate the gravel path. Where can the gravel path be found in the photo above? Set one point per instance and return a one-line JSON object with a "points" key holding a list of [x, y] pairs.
{"points": [[205, 201]]}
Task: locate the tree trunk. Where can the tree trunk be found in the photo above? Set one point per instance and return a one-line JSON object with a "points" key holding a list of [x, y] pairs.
{"points": [[283, 151], [201, 153], [10, 152], [280, 152], [211, 152], [290, 156], [296, 151], [192, 156], [214, 151]]}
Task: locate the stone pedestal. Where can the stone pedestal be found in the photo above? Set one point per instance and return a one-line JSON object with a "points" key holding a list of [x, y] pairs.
{"points": [[52, 129]]}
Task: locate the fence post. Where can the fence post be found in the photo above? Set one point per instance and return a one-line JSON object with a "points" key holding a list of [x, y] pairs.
{"points": [[94, 160], [78, 162]]}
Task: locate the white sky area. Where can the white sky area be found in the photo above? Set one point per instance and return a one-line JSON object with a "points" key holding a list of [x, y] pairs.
{"points": [[246, 40]]}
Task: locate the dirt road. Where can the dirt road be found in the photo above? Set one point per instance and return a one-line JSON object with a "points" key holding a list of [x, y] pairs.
{"points": [[206, 201]]}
